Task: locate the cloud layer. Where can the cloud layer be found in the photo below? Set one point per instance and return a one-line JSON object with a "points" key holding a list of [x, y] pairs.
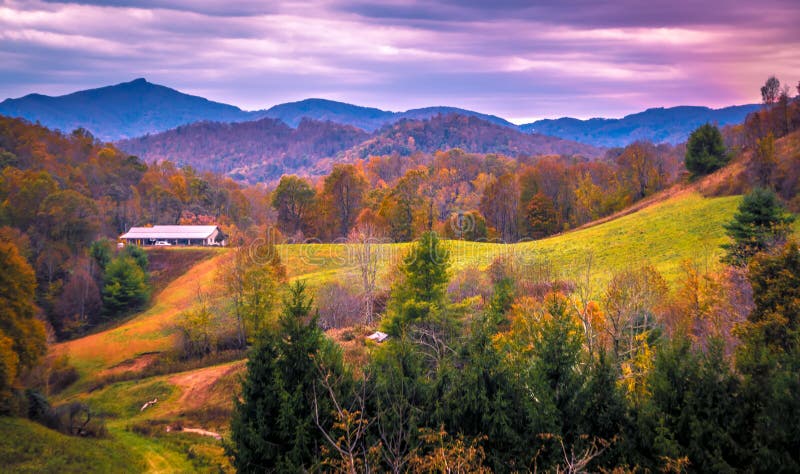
{"points": [[514, 58]]}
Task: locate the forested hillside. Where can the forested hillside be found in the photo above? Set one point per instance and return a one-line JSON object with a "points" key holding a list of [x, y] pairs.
{"points": [[471, 134], [61, 195], [257, 151], [266, 149]]}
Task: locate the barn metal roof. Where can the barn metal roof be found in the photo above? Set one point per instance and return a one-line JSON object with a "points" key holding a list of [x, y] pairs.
{"points": [[160, 232]]}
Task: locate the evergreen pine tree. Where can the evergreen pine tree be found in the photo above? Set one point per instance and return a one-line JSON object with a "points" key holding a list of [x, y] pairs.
{"points": [[769, 361], [760, 222], [693, 407], [705, 151], [125, 286], [273, 426], [421, 293]]}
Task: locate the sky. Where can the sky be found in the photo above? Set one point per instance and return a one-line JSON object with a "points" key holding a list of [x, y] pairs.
{"points": [[518, 59]]}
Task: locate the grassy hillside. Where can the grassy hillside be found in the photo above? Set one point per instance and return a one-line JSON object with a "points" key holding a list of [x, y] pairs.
{"points": [[29, 447], [684, 226], [147, 332], [163, 438]]}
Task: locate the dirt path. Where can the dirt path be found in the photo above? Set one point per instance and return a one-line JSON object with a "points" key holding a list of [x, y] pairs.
{"points": [[197, 386], [202, 432]]}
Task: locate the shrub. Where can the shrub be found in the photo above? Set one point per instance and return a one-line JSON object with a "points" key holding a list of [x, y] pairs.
{"points": [[338, 306], [125, 288], [75, 419]]}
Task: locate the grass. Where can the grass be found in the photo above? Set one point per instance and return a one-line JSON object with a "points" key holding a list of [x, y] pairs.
{"points": [[199, 398], [147, 332], [28, 447], [685, 226], [167, 264]]}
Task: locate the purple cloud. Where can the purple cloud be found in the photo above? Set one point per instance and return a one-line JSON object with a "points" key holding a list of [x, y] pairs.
{"points": [[513, 58]]}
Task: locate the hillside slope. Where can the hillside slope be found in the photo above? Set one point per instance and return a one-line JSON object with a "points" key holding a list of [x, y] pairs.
{"points": [[265, 149], [471, 134], [680, 227], [259, 150], [28, 447], [683, 225], [148, 332], [366, 118]]}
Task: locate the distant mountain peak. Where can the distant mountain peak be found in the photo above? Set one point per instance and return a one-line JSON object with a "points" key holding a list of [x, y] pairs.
{"points": [[123, 110]]}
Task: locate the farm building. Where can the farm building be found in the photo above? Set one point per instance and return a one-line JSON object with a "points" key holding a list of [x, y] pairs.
{"points": [[167, 235]]}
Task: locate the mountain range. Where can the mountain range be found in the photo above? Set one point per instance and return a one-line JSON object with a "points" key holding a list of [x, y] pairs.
{"points": [[659, 125], [139, 107]]}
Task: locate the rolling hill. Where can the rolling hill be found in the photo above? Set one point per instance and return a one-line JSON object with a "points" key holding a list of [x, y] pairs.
{"points": [[265, 149], [260, 150], [471, 134], [666, 229], [681, 226], [365, 118], [671, 125]]}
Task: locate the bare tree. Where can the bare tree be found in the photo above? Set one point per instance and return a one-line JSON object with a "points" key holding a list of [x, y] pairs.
{"points": [[233, 275], [578, 462], [432, 340], [365, 240], [347, 436], [631, 300], [580, 300]]}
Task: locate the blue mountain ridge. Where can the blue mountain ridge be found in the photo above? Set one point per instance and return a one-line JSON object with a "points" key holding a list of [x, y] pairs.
{"points": [[137, 108]]}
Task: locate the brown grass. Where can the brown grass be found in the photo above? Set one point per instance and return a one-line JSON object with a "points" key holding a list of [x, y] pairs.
{"points": [[167, 264], [150, 331], [137, 364]]}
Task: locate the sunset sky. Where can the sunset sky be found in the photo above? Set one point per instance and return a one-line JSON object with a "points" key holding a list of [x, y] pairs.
{"points": [[517, 59]]}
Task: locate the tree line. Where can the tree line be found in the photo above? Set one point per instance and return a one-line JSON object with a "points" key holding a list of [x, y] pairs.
{"points": [[470, 196]]}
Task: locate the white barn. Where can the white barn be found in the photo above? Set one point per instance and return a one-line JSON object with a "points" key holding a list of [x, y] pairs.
{"points": [[201, 235]]}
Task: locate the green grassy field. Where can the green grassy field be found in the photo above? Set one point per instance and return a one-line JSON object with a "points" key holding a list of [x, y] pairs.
{"points": [[29, 447], [138, 439], [687, 226]]}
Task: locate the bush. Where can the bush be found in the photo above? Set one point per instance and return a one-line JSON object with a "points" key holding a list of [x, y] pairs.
{"points": [[148, 427], [75, 419], [338, 306], [469, 283], [62, 375]]}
